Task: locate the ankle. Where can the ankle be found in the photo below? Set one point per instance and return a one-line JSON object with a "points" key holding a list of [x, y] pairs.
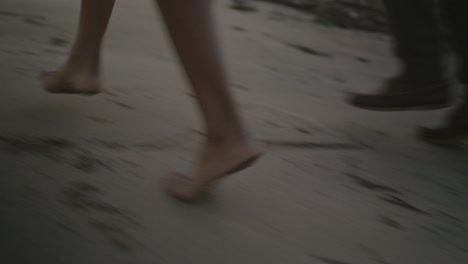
{"points": [[82, 63]]}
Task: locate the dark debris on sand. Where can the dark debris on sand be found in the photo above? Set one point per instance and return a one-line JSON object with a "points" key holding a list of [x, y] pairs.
{"points": [[368, 15]]}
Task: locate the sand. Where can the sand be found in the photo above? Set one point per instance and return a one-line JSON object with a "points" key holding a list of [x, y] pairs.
{"points": [[80, 177]]}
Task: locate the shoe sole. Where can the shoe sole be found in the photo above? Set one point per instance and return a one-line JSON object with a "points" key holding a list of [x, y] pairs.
{"points": [[405, 108]]}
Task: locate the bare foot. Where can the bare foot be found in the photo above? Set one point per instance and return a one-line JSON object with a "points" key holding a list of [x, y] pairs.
{"points": [[215, 161], [68, 82]]}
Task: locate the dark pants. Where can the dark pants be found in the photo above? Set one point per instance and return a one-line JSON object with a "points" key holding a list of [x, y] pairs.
{"points": [[420, 38]]}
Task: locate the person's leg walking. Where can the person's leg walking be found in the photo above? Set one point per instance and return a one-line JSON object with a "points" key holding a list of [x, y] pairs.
{"points": [[80, 73], [456, 126], [418, 39], [457, 20], [420, 46], [228, 146]]}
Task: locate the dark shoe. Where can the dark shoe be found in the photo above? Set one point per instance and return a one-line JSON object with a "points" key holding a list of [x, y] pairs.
{"points": [[455, 130], [400, 96]]}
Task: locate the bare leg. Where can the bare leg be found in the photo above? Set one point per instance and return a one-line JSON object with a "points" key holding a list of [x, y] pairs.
{"points": [[228, 145], [80, 73]]}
